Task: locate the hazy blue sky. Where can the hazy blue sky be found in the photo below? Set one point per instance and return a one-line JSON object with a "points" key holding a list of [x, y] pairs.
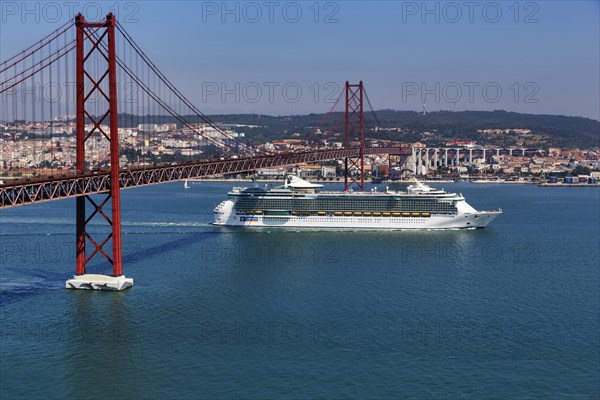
{"points": [[537, 57]]}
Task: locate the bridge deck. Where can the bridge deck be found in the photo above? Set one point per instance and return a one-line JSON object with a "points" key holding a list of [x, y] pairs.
{"points": [[54, 188]]}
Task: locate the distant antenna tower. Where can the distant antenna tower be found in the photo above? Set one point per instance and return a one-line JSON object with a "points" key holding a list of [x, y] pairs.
{"points": [[424, 113]]}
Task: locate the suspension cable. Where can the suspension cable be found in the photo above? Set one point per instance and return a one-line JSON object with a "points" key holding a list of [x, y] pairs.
{"points": [[158, 100], [166, 81], [41, 45]]}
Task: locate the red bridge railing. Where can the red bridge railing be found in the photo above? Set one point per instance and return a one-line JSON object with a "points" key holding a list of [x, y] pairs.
{"points": [[49, 189]]}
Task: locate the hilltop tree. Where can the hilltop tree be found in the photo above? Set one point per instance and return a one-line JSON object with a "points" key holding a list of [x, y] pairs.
{"points": [[581, 170]]}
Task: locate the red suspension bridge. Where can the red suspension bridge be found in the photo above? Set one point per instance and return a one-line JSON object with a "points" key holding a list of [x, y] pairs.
{"points": [[87, 137]]}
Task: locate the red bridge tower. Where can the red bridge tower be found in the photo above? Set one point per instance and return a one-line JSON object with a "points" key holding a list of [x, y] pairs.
{"points": [[96, 78], [355, 129]]}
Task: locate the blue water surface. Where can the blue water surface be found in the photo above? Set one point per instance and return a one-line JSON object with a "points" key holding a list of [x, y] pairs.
{"points": [[511, 311]]}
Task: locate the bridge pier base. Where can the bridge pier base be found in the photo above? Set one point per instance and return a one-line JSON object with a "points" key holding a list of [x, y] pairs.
{"points": [[99, 282]]}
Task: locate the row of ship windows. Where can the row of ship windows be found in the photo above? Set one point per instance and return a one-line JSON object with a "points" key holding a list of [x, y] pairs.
{"points": [[351, 207], [413, 214], [340, 212], [291, 203], [334, 219]]}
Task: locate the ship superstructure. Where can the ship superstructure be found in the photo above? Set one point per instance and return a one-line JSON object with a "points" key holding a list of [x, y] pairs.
{"points": [[298, 203]]}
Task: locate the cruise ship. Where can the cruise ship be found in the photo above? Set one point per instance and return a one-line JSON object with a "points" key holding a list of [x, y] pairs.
{"points": [[301, 204]]}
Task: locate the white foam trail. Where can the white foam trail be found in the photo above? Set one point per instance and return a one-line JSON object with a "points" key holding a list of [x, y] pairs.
{"points": [[166, 224]]}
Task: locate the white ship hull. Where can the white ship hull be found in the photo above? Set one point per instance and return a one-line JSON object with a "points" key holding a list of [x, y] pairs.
{"points": [[472, 221], [429, 209], [225, 215]]}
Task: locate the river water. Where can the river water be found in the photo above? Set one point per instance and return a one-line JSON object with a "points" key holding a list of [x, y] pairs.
{"points": [[511, 311]]}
